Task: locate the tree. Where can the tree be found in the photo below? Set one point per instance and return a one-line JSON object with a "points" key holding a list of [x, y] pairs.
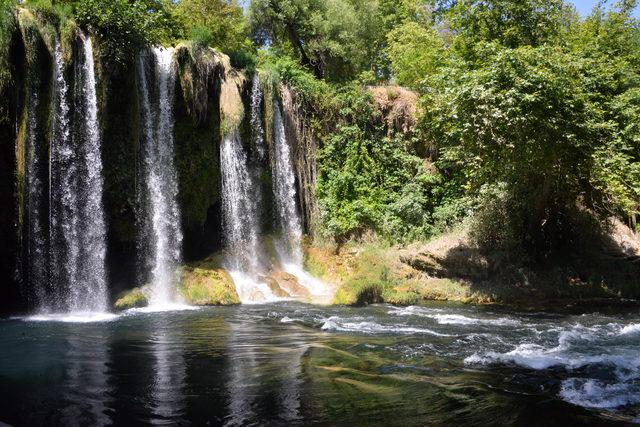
{"points": [[510, 23], [415, 51], [521, 120], [125, 26], [218, 23], [337, 39]]}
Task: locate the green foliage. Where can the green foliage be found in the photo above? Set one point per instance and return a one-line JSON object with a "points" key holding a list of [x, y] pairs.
{"points": [[123, 26], [521, 118], [316, 93], [336, 39], [202, 37], [415, 51], [221, 20], [370, 181], [617, 162], [7, 29], [510, 23]]}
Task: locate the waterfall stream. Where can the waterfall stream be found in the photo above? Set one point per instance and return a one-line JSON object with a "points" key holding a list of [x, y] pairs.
{"points": [[246, 260], [36, 242], [88, 291], [289, 244], [257, 132], [77, 231], [284, 190], [240, 222], [160, 240], [63, 193]]}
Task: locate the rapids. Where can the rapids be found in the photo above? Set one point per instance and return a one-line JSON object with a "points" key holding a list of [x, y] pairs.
{"points": [[289, 363]]}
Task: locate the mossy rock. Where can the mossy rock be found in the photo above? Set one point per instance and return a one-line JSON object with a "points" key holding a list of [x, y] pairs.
{"points": [[204, 285], [131, 299]]}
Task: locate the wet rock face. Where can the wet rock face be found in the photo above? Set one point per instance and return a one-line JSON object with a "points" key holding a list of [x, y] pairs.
{"points": [[284, 284]]}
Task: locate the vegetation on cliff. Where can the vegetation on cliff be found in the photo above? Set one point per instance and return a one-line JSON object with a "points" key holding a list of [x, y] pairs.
{"points": [[526, 117], [520, 118]]}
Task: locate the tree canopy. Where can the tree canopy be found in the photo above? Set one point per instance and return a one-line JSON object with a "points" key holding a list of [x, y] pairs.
{"points": [[522, 103]]}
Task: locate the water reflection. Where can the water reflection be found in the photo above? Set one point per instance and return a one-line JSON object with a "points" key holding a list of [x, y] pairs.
{"points": [[265, 373], [290, 364], [86, 388], [167, 392]]}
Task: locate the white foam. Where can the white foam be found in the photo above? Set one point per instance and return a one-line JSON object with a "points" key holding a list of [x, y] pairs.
{"points": [[413, 310], [335, 323], [453, 319], [634, 328], [457, 319], [252, 291], [537, 357], [72, 317], [159, 308], [590, 393], [314, 285]]}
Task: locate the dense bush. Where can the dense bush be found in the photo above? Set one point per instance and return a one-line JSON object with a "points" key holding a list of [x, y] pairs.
{"points": [[124, 27], [371, 181], [523, 119]]}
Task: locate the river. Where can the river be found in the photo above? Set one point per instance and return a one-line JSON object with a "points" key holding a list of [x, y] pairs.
{"points": [[291, 363]]}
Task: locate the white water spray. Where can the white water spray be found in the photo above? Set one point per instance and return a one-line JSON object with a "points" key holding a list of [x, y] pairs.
{"points": [[289, 245], [240, 222], [161, 234], [88, 290]]}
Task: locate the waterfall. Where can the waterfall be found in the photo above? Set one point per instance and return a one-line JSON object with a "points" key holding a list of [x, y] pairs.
{"points": [[67, 248], [77, 231], [36, 238], [161, 235], [240, 210], [240, 222], [284, 191], [63, 212], [289, 244], [257, 135], [88, 290]]}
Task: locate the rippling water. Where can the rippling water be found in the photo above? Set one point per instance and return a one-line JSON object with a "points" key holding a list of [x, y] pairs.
{"points": [[290, 363]]}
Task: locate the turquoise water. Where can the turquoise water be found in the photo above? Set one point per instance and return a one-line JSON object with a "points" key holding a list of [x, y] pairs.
{"points": [[288, 363]]}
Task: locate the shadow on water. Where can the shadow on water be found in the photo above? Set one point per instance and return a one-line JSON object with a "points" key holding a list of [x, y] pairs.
{"points": [[289, 364]]}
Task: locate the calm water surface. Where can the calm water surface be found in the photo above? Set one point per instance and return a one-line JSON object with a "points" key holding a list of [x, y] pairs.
{"points": [[288, 363]]}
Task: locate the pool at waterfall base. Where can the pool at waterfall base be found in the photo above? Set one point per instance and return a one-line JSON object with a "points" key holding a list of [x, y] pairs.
{"points": [[290, 363]]}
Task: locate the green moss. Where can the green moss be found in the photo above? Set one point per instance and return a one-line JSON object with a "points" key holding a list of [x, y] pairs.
{"points": [[120, 122], [131, 299], [8, 27], [315, 266], [197, 133], [205, 283]]}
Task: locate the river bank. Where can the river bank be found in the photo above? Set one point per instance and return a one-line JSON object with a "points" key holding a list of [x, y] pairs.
{"points": [[602, 270], [603, 274]]}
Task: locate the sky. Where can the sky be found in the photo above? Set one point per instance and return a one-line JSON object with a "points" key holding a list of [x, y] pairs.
{"points": [[585, 6]]}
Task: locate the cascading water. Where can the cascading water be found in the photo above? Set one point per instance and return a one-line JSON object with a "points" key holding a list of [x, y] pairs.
{"points": [[63, 192], [161, 235], [240, 221], [36, 238], [289, 245], [88, 288], [284, 191], [76, 244], [257, 132]]}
